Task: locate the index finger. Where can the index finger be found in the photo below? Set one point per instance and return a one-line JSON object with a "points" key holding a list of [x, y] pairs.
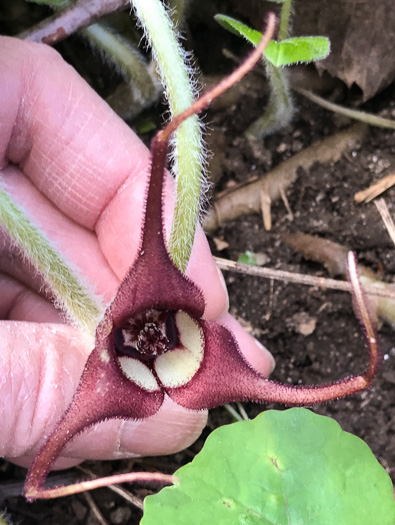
{"points": [[64, 137]]}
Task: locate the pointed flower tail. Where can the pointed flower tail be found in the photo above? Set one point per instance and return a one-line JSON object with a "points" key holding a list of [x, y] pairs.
{"points": [[224, 376], [104, 392]]}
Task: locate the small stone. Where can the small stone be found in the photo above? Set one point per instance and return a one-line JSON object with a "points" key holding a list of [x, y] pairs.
{"points": [[302, 323]]}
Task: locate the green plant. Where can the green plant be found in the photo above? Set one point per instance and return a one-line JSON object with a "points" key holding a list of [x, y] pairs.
{"points": [[283, 468], [283, 52]]}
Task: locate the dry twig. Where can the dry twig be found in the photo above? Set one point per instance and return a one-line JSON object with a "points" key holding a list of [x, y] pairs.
{"points": [[95, 509], [298, 278], [247, 199], [79, 15], [356, 114], [382, 207], [375, 190]]}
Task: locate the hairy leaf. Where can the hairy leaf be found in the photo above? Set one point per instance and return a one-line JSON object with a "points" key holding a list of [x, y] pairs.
{"points": [[286, 52], [284, 468]]}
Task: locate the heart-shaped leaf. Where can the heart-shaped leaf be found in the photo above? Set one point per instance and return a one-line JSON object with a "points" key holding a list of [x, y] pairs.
{"points": [[288, 467]]}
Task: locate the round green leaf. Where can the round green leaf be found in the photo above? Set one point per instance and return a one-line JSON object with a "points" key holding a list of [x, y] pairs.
{"points": [[283, 468]]}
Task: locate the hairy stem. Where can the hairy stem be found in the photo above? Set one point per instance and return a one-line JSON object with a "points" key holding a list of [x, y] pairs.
{"points": [[71, 295], [284, 20], [279, 110], [131, 64], [188, 149]]}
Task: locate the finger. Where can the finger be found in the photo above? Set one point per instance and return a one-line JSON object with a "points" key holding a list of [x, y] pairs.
{"points": [[81, 156], [63, 136], [170, 430], [19, 303], [255, 353], [42, 364]]}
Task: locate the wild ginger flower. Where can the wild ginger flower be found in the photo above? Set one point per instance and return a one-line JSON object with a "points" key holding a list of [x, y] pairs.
{"points": [[153, 340]]}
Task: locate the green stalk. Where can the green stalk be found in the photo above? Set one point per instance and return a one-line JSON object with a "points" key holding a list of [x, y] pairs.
{"points": [[279, 109], [142, 83], [187, 154], [284, 20], [71, 295]]}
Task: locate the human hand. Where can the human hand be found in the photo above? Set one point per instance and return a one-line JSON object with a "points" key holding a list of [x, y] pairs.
{"points": [[81, 175]]}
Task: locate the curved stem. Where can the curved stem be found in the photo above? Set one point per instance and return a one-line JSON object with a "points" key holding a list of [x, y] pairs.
{"points": [[356, 114], [188, 147], [76, 16], [83, 486], [143, 82], [163, 135], [279, 110]]}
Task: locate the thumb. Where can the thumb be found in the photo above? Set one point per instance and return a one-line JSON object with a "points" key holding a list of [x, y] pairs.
{"points": [[254, 352], [40, 366]]}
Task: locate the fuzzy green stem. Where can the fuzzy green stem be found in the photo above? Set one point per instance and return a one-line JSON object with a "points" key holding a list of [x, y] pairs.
{"points": [[279, 109], [187, 155], [284, 20], [130, 62], [71, 295]]}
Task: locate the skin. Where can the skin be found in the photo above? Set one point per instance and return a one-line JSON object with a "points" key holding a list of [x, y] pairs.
{"points": [[81, 175]]}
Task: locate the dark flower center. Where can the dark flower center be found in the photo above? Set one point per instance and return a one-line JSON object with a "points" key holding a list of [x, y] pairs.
{"points": [[147, 335]]}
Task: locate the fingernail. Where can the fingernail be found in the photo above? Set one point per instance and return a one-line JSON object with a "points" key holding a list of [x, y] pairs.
{"points": [[268, 354], [223, 283]]}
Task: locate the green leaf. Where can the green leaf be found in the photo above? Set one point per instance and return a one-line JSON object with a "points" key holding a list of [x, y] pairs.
{"points": [[283, 468], [238, 28], [298, 49], [247, 258], [286, 52]]}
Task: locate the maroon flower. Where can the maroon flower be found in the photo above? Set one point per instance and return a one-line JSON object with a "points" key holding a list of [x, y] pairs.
{"points": [[154, 342]]}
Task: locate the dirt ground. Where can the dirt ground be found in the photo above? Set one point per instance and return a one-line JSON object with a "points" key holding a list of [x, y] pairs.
{"points": [[332, 346]]}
